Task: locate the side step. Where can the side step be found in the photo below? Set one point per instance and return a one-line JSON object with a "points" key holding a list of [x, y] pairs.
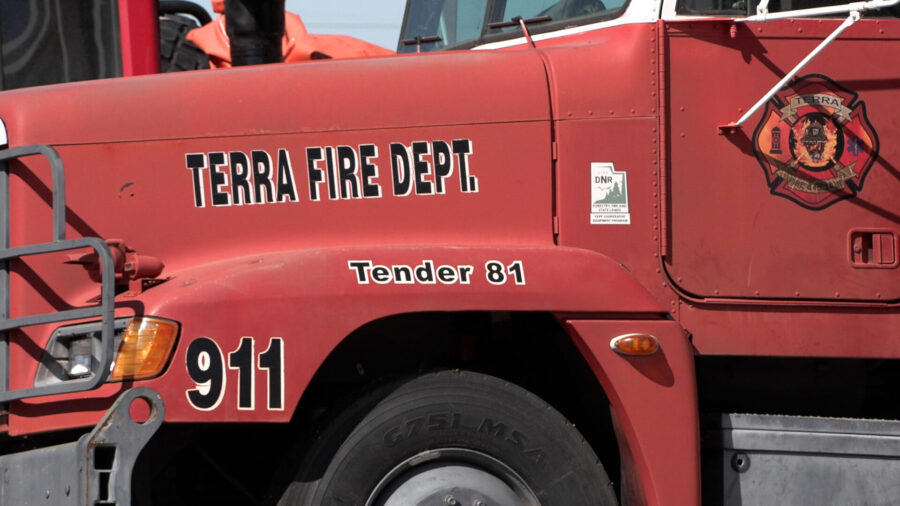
{"points": [[765, 459]]}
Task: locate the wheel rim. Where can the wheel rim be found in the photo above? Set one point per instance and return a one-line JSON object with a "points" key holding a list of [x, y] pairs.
{"points": [[452, 477]]}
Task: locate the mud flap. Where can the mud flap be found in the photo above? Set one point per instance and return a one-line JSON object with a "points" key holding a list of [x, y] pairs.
{"points": [[95, 470]]}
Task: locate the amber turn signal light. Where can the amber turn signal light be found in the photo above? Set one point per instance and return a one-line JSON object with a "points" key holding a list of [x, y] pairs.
{"points": [[635, 344], [145, 349]]}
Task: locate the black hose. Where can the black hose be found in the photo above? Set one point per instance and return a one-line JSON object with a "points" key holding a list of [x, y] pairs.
{"points": [[255, 28]]}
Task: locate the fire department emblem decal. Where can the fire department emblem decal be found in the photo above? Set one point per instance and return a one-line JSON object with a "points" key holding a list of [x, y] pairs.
{"points": [[815, 143]]}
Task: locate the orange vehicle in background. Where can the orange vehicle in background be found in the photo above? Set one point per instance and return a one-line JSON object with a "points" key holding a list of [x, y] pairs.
{"points": [[297, 45]]}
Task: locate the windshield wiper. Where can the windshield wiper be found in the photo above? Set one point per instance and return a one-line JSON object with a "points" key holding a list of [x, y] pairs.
{"points": [[520, 21], [418, 40]]}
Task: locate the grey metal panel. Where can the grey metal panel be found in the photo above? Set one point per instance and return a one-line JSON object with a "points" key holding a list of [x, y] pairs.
{"points": [[809, 424], [4, 274], [765, 459], [45, 476], [803, 479], [815, 442], [71, 474]]}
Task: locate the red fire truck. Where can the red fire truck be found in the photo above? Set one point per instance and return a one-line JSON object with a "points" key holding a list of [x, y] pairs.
{"points": [[567, 252]]}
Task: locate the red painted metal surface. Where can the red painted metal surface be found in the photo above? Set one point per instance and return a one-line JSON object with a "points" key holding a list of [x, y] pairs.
{"points": [[313, 298], [403, 92], [508, 219], [733, 237], [139, 38], [609, 73], [596, 124], [654, 401]]}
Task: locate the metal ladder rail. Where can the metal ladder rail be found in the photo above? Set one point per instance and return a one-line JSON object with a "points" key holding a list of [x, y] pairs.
{"points": [[105, 309]]}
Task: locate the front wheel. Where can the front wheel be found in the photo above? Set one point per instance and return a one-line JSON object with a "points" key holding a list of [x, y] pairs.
{"points": [[450, 438]]}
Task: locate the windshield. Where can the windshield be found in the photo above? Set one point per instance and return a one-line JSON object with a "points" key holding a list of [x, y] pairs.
{"points": [[57, 41], [464, 23]]}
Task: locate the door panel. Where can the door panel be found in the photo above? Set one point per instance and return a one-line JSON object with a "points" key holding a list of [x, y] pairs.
{"points": [[801, 201]]}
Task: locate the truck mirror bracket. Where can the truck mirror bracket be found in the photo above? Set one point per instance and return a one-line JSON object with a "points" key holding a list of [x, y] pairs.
{"points": [[763, 14], [731, 127]]}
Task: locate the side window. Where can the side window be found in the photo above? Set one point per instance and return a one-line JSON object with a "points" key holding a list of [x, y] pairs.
{"points": [[528, 8], [557, 10], [561, 12], [748, 7], [460, 23], [58, 42]]}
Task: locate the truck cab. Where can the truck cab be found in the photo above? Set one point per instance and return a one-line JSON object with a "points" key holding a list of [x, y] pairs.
{"points": [[547, 254]]}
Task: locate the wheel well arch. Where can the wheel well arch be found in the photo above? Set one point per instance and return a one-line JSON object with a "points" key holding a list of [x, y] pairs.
{"points": [[530, 349]]}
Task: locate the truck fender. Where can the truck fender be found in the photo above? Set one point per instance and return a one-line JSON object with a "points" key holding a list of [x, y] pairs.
{"points": [[654, 407], [308, 301]]}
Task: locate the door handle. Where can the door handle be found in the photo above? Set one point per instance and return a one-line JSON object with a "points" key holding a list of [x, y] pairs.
{"points": [[873, 248]]}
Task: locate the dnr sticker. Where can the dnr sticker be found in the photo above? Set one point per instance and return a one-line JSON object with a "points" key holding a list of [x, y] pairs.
{"points": [[815, 143], [609, 195]]}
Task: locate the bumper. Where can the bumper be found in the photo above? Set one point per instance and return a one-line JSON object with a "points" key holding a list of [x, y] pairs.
{"points": [[94, 470]]}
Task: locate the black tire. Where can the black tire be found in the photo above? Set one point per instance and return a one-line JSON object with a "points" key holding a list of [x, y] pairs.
{"points": [[478, 437], [176, 53]]}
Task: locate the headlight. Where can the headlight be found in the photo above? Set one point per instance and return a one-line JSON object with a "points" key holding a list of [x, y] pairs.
{"points": [[143, 347]]}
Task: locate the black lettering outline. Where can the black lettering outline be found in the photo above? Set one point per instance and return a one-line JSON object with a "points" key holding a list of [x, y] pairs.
{"points": [[451, 281], [446, 167], [369, 171], [240, 180], [246, 385], [272, 406], [465, 272], [362, 275], [311, 165], [196, 167], [331, 172], [387, 272], [285, 178], [348, 174], [198, 390], [463, 149], [422, 168], [398, 174], [263, 178], [408, 270], [218, 179]]}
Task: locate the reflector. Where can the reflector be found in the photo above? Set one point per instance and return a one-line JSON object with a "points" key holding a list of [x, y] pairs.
{"points": [[145, 349], [635, 344]]}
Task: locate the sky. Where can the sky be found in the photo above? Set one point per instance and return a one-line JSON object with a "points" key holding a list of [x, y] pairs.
{"points": [[375, 21]]}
